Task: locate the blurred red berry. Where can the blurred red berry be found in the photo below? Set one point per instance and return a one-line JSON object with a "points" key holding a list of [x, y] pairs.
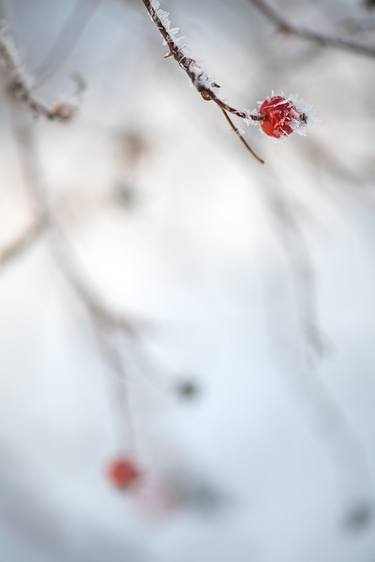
{"points": [[124, 473], [280, 117]]}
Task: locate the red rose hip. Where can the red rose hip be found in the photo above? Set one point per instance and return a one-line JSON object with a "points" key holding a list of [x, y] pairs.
{"points": [[280, 117], [123, 473]]}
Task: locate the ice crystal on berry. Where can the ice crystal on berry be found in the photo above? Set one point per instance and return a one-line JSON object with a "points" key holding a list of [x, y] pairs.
{"points": [[279, 116]]}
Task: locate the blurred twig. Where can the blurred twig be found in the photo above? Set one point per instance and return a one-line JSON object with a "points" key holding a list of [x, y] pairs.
{"points": [[283, 24], [359, 25], [18, 247], [297, 252], [19, 88]]}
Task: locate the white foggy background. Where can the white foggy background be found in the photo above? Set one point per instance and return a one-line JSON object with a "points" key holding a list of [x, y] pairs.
{"points": [[189, 239]]}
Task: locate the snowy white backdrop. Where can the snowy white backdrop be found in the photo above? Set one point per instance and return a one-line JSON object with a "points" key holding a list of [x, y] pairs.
{"points": [[274, 460]]}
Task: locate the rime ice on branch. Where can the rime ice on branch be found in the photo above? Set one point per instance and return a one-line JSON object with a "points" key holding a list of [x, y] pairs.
{"points": [[200, 79]]}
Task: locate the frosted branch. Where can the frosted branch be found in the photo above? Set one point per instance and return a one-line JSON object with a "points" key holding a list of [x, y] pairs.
{"points": [[199, 78]]}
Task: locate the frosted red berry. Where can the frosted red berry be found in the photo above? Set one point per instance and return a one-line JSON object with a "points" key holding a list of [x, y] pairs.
{"points": [[280, 117], [124, 473]]}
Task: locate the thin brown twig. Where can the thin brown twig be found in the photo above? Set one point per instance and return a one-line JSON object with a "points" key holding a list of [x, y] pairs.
{"points": [[242, 139], [322, 39], [200, 80]]}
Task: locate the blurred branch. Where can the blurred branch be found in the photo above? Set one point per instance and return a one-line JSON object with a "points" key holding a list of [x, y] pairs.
{"points": [[359, 25], [105, 321], [330, 422], [102, 314], [78, 18], [200, 80], [19, 88], [18, 247], [301, 265], [285, 26]]}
